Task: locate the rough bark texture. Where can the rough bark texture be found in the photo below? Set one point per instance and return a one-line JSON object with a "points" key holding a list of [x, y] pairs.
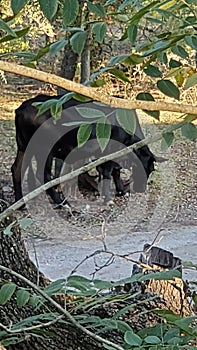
{"points": [[13, 255], [68, 66], [85, 63]]}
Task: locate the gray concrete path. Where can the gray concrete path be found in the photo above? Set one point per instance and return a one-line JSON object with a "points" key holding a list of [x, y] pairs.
{"points": [[57, 257]]}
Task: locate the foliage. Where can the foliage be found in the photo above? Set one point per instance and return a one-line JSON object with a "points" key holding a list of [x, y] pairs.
{"points": [[36, 25], [159, 34], [87, 295]]}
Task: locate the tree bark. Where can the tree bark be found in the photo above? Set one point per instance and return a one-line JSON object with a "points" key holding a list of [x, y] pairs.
{"points": [[13, 254], [68, 66]]}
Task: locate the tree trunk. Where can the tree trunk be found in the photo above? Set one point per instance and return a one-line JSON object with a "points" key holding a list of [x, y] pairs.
{"points": [[13, 255], [85, 62], [68, 66]]}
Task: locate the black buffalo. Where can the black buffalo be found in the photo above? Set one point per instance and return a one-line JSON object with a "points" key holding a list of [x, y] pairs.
{"points": [[39, 137]]}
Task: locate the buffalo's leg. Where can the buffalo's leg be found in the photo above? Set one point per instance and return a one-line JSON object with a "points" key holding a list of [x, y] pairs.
{"points": [[56, 196], [17, 175], [118, 182], [105, 173]]}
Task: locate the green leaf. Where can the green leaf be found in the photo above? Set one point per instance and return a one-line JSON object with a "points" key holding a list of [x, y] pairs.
{"points": [[25, 222], [19, 34], [133, 59], [168, 88], [56, 112], [127, 120], [174, 63], [146, 96], [57, 46], [152, 340], [81, 98], [153, 71], [142, 12], [189, 131], [163, 275], [190, 117], [99, 30], [167, 140], [79, 279], [49, 7], [179, 51], [168, 315], [22, 297], [11, 340], [65, 98], [6, 292], [7, 231], [55, 287], [44, 106], [83, 134], [191, 41], [70, 11], [6, 28], [17, 5], [98, 83], [118, 73], [97, 9], [109, 323], [100, 284], [77, 41], [132, 339], [41, 53], [132, 33], [162, 57], [170, 334], [117, 59], [103, 132], [35, 300], [123, 326], [87, 112], [180, 78], [108, 347], [160, 45], [185, 322], [191, 81]]}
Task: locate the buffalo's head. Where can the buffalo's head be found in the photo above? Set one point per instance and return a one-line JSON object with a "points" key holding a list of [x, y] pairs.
{"points": [[143, 165]]}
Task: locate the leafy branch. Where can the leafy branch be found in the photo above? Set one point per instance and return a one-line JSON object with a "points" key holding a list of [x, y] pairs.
{"points": [[61, 309]]}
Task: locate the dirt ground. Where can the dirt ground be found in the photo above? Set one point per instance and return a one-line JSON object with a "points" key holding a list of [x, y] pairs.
{"points": [[58, 241]]}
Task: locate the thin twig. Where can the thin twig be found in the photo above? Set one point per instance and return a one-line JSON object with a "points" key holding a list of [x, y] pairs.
{"points": [[108, 252], [28, 329]]}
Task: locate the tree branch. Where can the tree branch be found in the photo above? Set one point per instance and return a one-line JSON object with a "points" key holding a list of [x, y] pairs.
{"points": [[29, 329], [95, 94]]}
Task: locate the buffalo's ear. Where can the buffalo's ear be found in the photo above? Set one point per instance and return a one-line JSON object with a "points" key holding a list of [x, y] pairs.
{"points": [[159, 159]]}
